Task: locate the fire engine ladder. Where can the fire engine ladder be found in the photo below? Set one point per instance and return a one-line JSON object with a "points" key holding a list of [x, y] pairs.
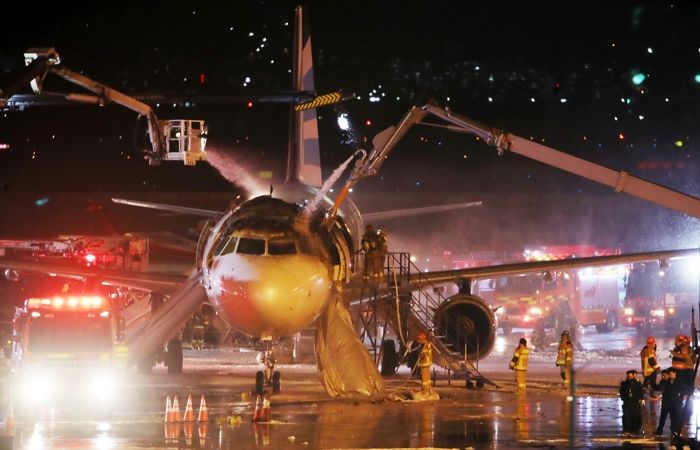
{"points": [[416, 311]]}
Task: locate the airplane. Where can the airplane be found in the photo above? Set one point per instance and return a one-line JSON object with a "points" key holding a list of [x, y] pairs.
{"points": [[276, 264]]}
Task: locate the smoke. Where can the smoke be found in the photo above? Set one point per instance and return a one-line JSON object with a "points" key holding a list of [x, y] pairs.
{"points": [[235, 172]]}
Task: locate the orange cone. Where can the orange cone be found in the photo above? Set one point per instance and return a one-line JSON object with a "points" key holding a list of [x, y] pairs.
{"points": [[203, 415], [258, 414], [266, 412], [189, 412], [176, 411], [168, 410]]}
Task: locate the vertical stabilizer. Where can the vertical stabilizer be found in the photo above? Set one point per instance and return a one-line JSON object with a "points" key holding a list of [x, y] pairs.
{"points": [[304, 156]]}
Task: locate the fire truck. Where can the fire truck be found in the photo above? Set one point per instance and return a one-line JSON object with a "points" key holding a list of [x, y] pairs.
{"points": [[66, 352], [563, 299], [659, 296], [126, 251]]}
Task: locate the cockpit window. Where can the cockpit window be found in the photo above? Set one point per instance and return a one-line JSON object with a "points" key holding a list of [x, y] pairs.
{"points": [[250, 246], [228, 246], [281, 247]]}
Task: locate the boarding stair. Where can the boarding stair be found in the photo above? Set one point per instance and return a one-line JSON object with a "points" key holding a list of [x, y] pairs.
{"points": [[408, 307]]}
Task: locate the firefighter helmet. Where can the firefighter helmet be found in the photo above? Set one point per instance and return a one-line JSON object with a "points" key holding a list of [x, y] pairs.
{"points": [[679, 338], [565, 333], [422, 337], [651, 340]]}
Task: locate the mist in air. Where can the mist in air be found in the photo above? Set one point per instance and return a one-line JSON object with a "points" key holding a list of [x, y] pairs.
{"points": [[235, 171]]}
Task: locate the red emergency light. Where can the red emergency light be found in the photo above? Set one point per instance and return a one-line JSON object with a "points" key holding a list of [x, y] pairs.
{"points": [[68, 303]]}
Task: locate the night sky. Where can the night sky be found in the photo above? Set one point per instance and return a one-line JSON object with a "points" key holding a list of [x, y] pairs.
{"points": [[614, 82]]}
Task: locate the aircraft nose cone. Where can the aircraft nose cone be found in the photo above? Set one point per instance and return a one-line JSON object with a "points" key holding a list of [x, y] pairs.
{"points": [[272, 296]]}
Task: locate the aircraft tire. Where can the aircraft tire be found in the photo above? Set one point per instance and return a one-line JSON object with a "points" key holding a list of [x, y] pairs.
{"points": [[276, 382], [174, 356], [259, 382], [390, 359]]}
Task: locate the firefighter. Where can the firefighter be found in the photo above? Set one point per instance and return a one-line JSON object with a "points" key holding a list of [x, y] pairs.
{"points": [[631, 394], [565, 358], [649, 366], [425, 361], [682, 362], [382, 251], [370, 245], [519, 363]]}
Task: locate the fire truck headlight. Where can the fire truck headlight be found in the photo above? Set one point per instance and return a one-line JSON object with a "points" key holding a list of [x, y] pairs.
{"points": [[39, 388], [501, 311], [671, 311], [657, 312], [629, 311], [535, 311], [102, 386]]}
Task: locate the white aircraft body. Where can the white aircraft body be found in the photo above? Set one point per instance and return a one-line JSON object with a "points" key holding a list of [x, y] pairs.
{"points": [[273, 266]]}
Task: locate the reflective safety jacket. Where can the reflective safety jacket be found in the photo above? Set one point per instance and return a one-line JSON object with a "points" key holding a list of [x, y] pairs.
{"points": [[426, 356], [565, 356], [681, 357], [649, 364], [520, 357]]}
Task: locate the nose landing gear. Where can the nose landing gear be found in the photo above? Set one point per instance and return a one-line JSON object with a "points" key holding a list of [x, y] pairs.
{"points": [[269, 376]]}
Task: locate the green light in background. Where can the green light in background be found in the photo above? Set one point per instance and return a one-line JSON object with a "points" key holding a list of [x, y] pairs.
{"points": [[639, 78], [697, 78], [678, 143]]}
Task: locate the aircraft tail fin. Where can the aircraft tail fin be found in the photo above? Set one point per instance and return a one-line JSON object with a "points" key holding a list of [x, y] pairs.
{"points": [[304, 156]]}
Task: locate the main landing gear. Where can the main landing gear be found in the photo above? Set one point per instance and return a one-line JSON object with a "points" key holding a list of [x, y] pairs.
{"points": [[269, 376]]}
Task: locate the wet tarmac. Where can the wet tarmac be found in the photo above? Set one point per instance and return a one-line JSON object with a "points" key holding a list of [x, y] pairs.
{"points": [[302, 416]]}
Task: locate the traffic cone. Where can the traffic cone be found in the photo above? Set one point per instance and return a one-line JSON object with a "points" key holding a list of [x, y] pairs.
{"points": [[203, 415], [266, 413], [9, 418], [176, 411], [189, 412], [258, 414], [168, 410]]}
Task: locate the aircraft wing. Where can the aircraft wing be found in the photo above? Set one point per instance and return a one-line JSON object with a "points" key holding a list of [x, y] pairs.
{"points": [[166, 283], [172, 208], [475, 273], [396, 213]]}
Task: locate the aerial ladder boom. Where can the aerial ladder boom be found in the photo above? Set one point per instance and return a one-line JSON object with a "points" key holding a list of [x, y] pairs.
{"points": [[182, 140], [620, 181]]}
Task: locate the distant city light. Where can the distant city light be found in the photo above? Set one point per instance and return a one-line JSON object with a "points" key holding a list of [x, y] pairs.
{"points": [[563, 100], [678, 143], [697, 78], [650, 50], [638, 78], [41, 201]]}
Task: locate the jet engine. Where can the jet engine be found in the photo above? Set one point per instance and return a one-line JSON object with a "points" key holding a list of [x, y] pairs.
{"points": [[468, 323]]}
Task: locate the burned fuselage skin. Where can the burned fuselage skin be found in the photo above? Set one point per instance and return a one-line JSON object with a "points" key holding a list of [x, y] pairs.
{"points": [[268, 269]]}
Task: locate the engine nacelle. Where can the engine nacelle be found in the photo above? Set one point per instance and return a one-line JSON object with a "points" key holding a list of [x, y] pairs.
{"points": [[466, 320]]}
